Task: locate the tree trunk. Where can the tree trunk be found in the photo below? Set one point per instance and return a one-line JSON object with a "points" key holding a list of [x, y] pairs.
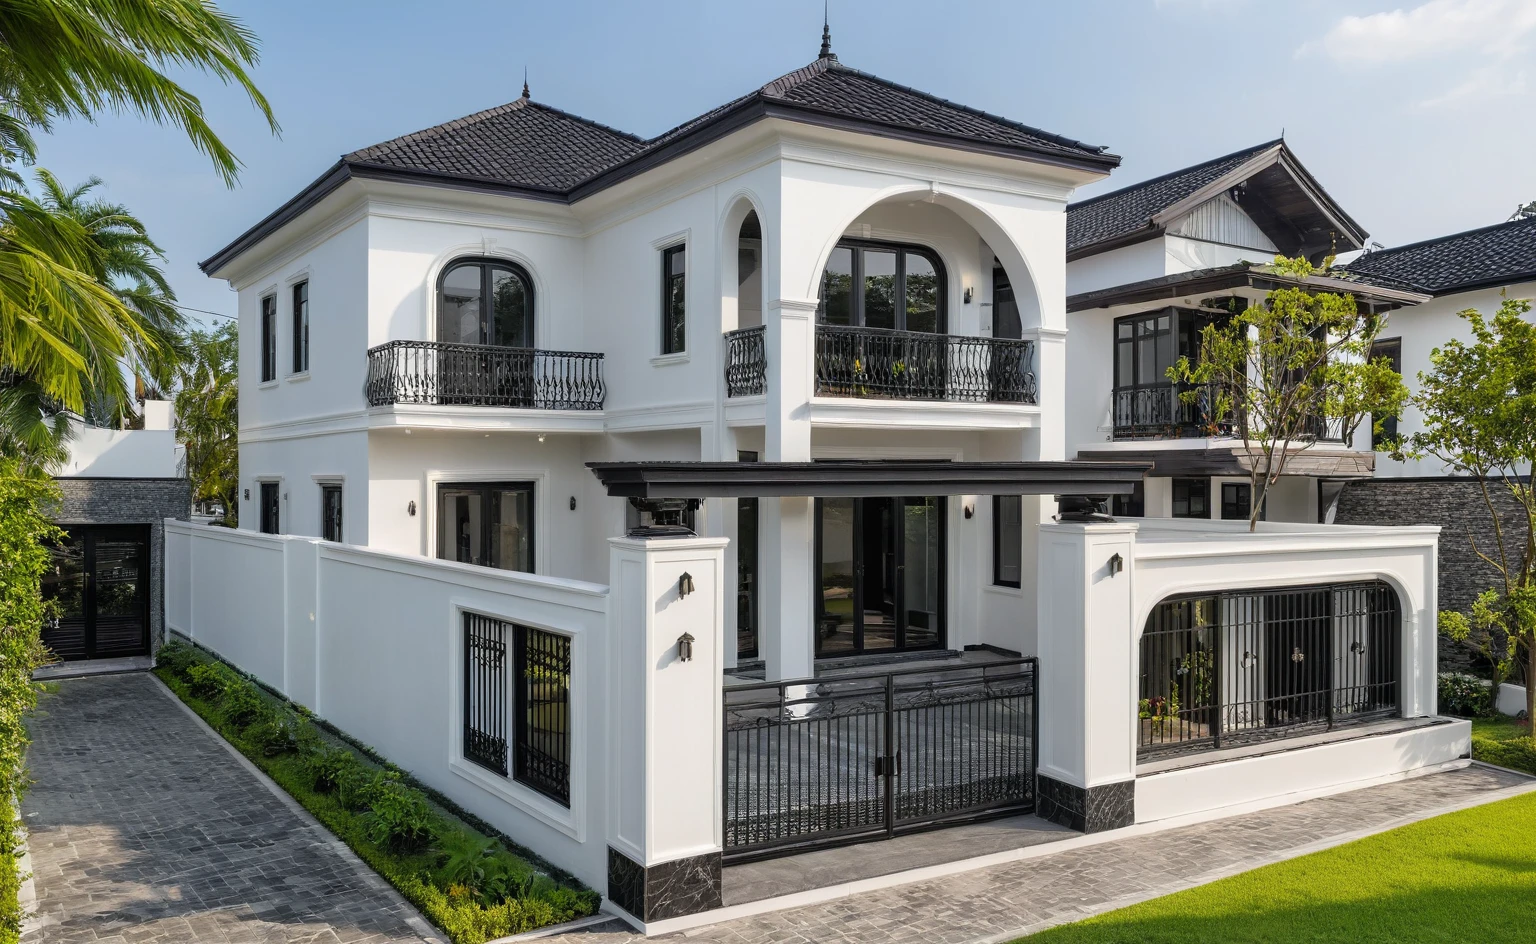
{"points": [[1530, 685]]}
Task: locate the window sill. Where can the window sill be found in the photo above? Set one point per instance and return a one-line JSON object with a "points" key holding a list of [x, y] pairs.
{"points": [[664, 360], [504, 788], [299, 377], [266, 384], [1005, 590]]}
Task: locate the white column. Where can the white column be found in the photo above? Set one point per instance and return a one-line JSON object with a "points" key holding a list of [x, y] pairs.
{"points": [[1088, 656], [788, 551], [664, 787]]}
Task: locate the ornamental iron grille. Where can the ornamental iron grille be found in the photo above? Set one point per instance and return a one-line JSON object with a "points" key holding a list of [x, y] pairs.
{"points": [[441, 374], [746, 362], [485, 692], [1226, 669], [881, 363], [540, 670], [835, 760]]}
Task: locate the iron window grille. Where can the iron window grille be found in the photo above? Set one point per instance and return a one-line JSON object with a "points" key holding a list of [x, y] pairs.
{"points": [[674, 299], [269, 338], [485, 692], [301, 327], [539, 748], [330, 512], [1233, 668]]}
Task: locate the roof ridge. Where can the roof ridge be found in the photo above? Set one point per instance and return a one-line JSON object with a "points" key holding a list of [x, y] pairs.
{"points": [[1391, 250], [1255, 149]]}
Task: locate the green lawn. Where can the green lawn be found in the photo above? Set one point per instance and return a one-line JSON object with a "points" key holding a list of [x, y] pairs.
{"points": [[1468, 876]]}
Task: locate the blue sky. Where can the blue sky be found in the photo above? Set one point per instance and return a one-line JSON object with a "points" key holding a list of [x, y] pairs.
{"points": [[1417, 117]]}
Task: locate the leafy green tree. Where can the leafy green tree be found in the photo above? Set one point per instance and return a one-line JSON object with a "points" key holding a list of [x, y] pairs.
{"points": [[208, 415], [1286, 370], [1478, 401]]}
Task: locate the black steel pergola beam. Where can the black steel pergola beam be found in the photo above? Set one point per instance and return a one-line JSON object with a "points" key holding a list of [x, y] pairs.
{"points": [[865, 478]]}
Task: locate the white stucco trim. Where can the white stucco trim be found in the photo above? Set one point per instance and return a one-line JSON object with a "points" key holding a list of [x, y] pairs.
{"points": [[921, 414]]}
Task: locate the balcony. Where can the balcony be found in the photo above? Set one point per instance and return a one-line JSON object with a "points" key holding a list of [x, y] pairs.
{"points": [[881, 364], [433, 374], [746, 363], [1162, 411]]}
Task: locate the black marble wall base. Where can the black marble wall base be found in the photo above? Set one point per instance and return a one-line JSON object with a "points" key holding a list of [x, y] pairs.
{"points": [[666, 889], [1086, 809]]}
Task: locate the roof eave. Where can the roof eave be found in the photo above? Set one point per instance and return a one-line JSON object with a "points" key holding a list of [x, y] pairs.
{"points": [[1240, 275]]}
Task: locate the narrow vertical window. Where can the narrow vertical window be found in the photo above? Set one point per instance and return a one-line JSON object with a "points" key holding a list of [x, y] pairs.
{"points": [[269, 338], [542, 742], [269, 508], [1392, 350], [674, 283], [330, 512], [1007, 539], [301, 327]]}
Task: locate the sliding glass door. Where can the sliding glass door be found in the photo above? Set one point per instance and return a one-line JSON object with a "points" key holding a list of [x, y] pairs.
{"points": [[881, 566], [488, 524]]}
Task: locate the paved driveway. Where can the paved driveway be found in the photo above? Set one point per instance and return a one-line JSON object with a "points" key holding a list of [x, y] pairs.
{"points": [[144, 827]]}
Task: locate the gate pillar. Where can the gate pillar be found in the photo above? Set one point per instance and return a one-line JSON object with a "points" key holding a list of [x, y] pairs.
{"points": [[1087, 642], [666, 622]]}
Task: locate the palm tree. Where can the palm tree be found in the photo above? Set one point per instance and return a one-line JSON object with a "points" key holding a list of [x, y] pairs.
{"points": [[207, 417]]}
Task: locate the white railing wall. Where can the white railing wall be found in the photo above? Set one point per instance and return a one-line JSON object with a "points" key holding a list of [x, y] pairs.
{"points": [[371, 641]]}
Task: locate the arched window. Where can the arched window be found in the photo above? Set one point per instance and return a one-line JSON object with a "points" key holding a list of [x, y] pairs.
{"points": [[883, 285], [484, 301]]}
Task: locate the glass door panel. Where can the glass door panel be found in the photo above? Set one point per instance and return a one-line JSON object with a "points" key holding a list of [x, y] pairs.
{"points": [[879, 288], [460, 525], [118, 569], [746, 578], [881, 564], [922, 571], [836, 624], [880, 567], [489, 525], [64, 587], [512, 534]]}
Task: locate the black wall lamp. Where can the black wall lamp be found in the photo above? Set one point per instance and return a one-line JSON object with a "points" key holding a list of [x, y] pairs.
{"points": [[684, 587], [1116, 564], [685, 647], [410, 508]]}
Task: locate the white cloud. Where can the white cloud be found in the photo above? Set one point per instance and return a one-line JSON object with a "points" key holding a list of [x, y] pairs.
{"points": [[1439, 27], [1480, 85]]}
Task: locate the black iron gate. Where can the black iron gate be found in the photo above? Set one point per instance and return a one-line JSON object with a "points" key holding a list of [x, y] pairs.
{"points": [[816, 762]]}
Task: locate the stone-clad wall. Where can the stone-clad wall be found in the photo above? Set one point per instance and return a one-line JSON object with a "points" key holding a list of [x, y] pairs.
{"points": [[1457, 506], [131, 501]]}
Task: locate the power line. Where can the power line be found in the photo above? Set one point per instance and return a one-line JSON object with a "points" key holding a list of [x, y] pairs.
{"points": [[204, 311]]}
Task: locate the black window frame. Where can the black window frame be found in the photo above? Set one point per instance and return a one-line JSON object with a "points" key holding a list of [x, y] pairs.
{"points": [[268, 338], [1240, 504], [301, 327], [748, 570], [536, 767], [998, 580], [674, 301], [1192, 487], [856, 312], [269, 507], [487, 330], [331, 512], [1392, 349], [486, 489]]}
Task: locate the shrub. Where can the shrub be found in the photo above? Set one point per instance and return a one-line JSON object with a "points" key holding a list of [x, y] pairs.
{"points": [[280, 732], [1465, 695], [328, 766], [176, 658], [398, 817], [1516, 753], [243, 705], [208, 679]]}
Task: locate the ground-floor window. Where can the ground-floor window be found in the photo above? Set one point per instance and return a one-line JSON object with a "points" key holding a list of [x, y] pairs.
{"points": [[1230, 668], [330, 512], [1191, 498], [1007, 539], [1237, 501], [533, 667], [270, 508], [489, 524], [881, 564], [1133, 505]]}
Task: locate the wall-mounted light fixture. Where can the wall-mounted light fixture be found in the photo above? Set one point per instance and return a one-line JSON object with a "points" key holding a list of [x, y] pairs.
{"points": [[573, 502], [247, 494], [685, 647], [970, 510], [684, 585], [969, 294], [1116, 564], [410, 508]]}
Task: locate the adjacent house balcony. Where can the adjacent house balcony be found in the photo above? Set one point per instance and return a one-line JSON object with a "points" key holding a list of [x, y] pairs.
{"points": [[1164, 411], [441, 379]]}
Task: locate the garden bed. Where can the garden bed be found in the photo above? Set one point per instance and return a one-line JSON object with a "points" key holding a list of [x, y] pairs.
{"points": [[470, 884]]}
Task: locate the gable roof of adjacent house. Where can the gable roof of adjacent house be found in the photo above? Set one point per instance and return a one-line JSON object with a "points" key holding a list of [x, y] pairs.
{"points": [[528, 149], [1279, 194], [1501, 254]]}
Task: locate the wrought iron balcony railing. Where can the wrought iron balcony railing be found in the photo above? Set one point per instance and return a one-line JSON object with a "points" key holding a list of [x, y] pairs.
{"points": [[1161, 411], [746, 363], [429, 372], [914, 365]]}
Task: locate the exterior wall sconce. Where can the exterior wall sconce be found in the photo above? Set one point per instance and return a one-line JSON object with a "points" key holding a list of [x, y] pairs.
{"points": [[685, 587], [1116, 564], [247, 494], [970, 511], [685, 647], [969, 294], [410, 508], [573, 502]]}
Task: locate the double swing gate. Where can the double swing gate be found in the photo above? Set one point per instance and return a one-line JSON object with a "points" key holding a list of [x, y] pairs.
{"points": [[815, 762]]}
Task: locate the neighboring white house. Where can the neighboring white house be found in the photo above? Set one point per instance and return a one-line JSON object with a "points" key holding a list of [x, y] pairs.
{"points": [[552, 429]]}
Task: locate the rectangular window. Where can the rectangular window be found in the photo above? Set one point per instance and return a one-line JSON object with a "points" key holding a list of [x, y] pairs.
{"points": [[540, 677], [1133, 505], [1191, 498], [1007, 539], [674, 285], [269, 338], [489, 524], [301, 327], [746, 570], [269, 508], [1392, 350], [330, 512], [1236, 501]]}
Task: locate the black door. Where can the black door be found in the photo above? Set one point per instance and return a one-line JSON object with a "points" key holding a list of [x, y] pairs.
{"points": [[881, 563], [99, 583]]}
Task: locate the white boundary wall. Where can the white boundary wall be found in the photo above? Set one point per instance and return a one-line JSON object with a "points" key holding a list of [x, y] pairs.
{"points": [[372, 642]]}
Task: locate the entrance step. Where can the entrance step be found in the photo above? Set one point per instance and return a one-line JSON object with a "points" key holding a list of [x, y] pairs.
{"points": [[83, 667]]}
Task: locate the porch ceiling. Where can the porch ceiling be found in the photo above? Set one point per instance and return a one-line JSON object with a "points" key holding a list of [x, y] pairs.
{"points": [[865, 478]]}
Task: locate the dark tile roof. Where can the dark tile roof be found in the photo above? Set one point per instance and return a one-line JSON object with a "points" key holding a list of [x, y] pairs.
{"points": [[1493, 255], [1122, 212], [523, 144]]}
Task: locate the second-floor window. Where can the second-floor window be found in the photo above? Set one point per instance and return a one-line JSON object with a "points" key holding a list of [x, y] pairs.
{"points": [[879, 285], [483, 301], [301, 328], [269, 338], [1392, 350], [674, 300]]}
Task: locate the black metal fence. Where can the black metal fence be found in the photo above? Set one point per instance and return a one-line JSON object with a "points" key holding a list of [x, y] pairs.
{"points": [[543, 744], [826, 761], [746, 362], [1160, 411], [434, 373], [1229, 668], [485, 692], [916, 365]]}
